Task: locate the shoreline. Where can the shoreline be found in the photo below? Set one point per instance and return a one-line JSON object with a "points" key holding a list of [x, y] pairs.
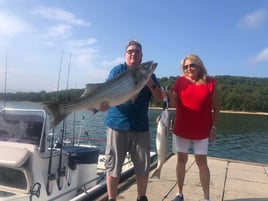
{"points": [[173, 109], [221, 111]]}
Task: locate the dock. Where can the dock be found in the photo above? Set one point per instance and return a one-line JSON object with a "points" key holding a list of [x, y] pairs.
{"points": [[230, 180]]}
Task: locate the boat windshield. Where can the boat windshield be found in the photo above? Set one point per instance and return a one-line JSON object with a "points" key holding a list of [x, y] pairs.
{"points": [[9, 178], [23, 126]]}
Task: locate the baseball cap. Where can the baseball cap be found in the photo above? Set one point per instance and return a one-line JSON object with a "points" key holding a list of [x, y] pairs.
{"points": [[133, 42]]}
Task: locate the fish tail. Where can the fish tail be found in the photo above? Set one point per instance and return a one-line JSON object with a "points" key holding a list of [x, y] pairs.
{"points": [[55, 112], [156, 174]]}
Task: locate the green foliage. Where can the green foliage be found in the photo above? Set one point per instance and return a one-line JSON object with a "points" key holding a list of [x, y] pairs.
{"points": [[235, 93], [243, 93]]}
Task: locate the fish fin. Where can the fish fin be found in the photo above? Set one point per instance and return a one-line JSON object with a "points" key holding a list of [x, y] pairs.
{"points": [[89, 88], [156, 174], [55, 112], [158, 118]]}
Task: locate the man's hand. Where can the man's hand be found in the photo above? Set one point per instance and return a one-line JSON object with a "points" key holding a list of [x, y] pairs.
{"points": [[150, 84], [104, 106]]}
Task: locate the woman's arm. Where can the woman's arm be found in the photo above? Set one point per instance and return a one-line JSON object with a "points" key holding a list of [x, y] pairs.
{"points": [[215, 108], [215, 115]]}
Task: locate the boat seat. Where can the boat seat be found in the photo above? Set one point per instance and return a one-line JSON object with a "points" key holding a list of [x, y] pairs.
{"points": [[13, 156], [82, 155]]}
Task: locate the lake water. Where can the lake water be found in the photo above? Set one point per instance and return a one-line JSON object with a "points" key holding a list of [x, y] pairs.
{"points": [[239, 136]]}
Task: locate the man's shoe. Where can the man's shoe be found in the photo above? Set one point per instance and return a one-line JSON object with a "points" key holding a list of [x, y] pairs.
{"points": [[143, 198], [178, 198]]}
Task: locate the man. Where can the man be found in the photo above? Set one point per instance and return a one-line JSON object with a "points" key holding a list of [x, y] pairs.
{"points": [[128, 129]]}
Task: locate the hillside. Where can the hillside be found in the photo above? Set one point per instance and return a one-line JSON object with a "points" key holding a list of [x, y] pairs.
{"points": [[235, 93]]}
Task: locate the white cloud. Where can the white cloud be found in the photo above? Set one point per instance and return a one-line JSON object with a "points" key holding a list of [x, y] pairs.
{"points": [[55, 28], [262, 56], [81, 43], [11, 26], [83, 58], [85, 52], [61, 31], [254, 20], [60, 15]]}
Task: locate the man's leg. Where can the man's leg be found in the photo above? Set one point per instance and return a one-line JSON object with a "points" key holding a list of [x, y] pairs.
{"points": [[114, 158], [140, 155], [142, 182], [112, 183]]}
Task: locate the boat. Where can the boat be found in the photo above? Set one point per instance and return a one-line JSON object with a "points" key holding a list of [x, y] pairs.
{"points": [[33, 167]]}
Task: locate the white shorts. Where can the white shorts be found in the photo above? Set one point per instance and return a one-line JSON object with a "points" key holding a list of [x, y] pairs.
{"points": [[183, 145]]}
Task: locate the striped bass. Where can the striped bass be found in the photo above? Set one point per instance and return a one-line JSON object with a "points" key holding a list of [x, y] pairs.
{"points": [[162, 134], [114, 92]]}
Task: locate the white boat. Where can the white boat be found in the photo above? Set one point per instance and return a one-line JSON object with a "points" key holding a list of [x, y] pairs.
{"points": [[33, 168]]}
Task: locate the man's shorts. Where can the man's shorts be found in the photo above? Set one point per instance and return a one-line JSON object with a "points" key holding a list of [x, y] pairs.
{"points": [[121, 142], [200, 146]]}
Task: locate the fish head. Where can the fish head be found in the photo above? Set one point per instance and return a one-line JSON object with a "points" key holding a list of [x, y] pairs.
{"points": [[143, 73]]}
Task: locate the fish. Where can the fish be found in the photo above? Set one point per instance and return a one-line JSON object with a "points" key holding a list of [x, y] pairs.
{"points": [[162, 135], [113, 92]]}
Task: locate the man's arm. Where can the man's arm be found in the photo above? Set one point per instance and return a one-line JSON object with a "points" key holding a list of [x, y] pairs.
{"points": [[155, 90]]}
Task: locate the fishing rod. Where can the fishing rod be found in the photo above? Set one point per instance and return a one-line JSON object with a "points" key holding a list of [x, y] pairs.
{"points": [[73, 128], [61, 172], [5, 90], [67, 88], [52, 176], [58, 85]]}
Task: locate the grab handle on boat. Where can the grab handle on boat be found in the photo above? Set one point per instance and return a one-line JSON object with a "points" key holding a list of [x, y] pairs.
{"points": [[35, 190]]}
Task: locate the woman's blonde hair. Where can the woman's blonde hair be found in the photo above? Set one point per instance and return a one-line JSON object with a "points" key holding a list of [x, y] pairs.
{"points": [[202, 70]]}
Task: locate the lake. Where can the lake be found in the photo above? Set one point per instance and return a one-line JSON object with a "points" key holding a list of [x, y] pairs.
{"points": [[239, 136]]}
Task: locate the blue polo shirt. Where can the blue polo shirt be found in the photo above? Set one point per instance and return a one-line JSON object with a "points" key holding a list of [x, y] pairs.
{"points": [[130, 116]]}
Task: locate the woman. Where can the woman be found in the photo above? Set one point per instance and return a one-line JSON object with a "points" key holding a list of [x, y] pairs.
{"points": [[197, 109]]}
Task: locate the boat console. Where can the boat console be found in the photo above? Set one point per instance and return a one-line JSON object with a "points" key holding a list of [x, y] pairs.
{"points": [[45, 172], [22, 126]]}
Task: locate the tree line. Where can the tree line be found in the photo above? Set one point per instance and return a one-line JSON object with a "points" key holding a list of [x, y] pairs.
{"points": [[235, 93]]}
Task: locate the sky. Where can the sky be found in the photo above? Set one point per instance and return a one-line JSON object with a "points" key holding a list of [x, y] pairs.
{"points": [[49, 45]]}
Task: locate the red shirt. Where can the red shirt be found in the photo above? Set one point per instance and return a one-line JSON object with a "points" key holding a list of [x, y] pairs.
{"points": [[194, 110]]}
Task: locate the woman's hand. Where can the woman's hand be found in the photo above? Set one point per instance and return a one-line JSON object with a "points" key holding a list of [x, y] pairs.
{"points": [[212, 134], [164, 93], [172, 97]]}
